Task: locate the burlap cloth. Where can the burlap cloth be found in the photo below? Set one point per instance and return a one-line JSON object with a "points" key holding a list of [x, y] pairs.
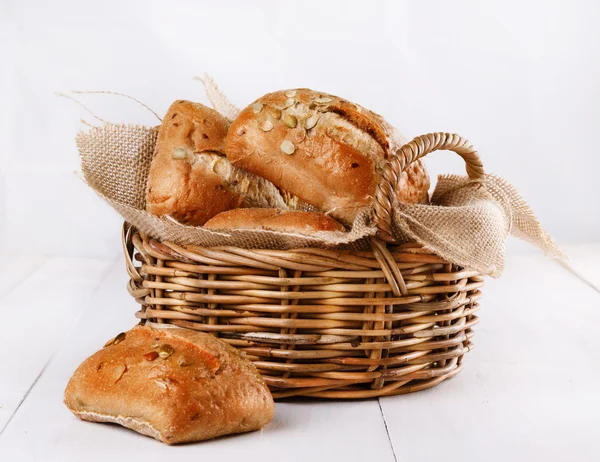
{"points": [[467, 223]]}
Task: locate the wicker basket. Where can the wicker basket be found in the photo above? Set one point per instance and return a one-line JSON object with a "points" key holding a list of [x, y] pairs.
{"points": [[323, 323]]}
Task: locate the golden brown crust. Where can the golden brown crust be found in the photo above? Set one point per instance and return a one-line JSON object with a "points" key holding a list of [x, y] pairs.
{"points": [[190, 179], [413, 186], [204, 389], [178, 185], [365, 120], [325, 150], [274, 220]]}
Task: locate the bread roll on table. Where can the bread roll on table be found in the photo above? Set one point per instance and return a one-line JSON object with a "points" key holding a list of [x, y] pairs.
{"points": [[173, 384], [325, 150]]}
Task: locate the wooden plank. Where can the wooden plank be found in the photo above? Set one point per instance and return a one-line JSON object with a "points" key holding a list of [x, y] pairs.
{"points": [[300, 431], [36, 315], [530, 389], [15, 269]]}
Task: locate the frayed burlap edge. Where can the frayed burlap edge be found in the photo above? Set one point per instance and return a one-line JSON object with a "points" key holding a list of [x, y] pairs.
{"points": [[466, 223], [115, 161]]}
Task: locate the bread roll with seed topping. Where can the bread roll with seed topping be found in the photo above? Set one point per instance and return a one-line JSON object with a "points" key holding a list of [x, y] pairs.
{"points": [[191, 180], [175, 385], [325, 150], [274, 220]]}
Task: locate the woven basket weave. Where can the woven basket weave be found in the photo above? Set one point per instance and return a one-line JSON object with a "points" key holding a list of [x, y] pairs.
{"points": [[323, 323]]}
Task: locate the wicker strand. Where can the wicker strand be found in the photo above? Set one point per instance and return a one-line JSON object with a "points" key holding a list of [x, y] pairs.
{"points": [[323, 323], [406, 155], [399, 321]]}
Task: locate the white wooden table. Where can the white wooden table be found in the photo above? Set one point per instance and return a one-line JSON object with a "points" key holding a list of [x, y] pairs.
{"points": [[530, 390]]}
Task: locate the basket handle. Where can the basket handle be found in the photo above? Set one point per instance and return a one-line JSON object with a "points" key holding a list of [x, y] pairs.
{"points": [[406, 155]]}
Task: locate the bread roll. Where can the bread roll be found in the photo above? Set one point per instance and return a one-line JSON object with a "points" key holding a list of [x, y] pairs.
{"points": [[191, 180], [325, 150], [175, 385], [274, 220]]}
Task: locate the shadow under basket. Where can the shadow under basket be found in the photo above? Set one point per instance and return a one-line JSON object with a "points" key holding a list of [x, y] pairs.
{"points": [[321, 323]]}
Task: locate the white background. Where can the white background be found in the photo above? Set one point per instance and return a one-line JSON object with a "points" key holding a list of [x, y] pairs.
{"points": [[519, 79]]}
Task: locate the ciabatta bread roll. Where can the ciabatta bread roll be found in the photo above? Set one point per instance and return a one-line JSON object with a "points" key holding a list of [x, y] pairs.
{"points": [[274, 220], [191, 180], [325, 150], [175, 385]]}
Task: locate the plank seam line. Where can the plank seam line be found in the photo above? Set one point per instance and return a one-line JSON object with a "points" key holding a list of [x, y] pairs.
{"points": [[23, 399], [103, 278], [387, 431], [21, 280], [578, 275]]}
